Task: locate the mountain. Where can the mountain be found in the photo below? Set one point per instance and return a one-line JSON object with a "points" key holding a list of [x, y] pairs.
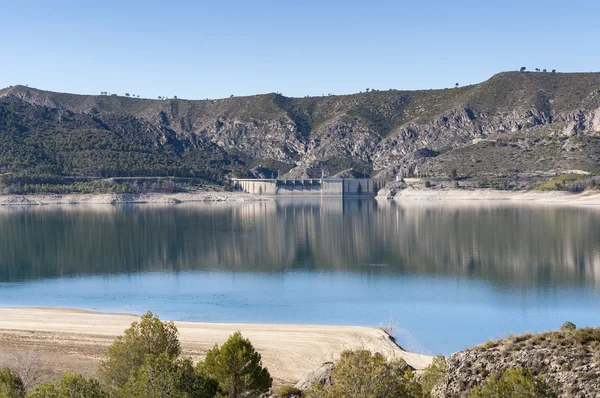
{"points": [[516, 126]]}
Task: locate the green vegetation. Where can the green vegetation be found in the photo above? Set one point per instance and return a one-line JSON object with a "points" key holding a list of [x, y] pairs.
{"points": [[362, 374], [561, 182], [164, 377], [433, 374], [48, 184], [513, 383], [238, 368], [143, 341], [289, 392], [11, 385], [70, 386], [587, 335]]}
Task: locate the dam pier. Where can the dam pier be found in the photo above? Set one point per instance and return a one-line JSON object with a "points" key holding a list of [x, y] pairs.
{"points": [[333, 187]]}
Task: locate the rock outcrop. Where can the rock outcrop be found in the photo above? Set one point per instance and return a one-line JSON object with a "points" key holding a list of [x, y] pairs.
{"points": [[568, 361]]}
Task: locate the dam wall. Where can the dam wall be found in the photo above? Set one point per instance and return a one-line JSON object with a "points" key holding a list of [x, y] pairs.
{"points": [[341, 187]]}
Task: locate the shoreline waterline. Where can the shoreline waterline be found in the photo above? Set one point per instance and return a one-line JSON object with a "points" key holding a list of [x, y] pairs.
{"points": [[409, 194]]}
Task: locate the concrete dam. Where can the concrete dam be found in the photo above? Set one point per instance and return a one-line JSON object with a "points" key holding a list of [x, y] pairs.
{"points": [[335, 187]]}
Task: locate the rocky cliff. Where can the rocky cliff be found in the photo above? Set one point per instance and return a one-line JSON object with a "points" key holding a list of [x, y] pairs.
{"points": [[514, 124]]}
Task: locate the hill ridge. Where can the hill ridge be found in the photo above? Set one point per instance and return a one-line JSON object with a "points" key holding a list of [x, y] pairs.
{"points": [[538, 118]]}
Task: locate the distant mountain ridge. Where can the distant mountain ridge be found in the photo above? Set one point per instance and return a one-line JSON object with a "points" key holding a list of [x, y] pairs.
{"points": [[514, 124]]}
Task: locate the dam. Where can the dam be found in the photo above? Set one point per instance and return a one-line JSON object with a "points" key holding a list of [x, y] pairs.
{"points": [[334, 187]]}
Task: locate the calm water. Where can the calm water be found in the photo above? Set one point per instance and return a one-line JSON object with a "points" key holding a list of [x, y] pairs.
{"points": [[449, 276]]}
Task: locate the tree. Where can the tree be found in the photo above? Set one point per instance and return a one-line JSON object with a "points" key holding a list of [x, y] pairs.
{"points": [[523, 69], [433, 374], [11, 385], [544, 70], [70, 386], [150, 336], [361, 374], [367, 90], [453, 174], [513, 383], [238, 368], [162, 376], [127, 94], [553, 70], [537, 69], [456, 85]]}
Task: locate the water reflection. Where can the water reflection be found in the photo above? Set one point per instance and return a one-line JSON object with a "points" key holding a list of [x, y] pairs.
{"points": [[506, 244]]}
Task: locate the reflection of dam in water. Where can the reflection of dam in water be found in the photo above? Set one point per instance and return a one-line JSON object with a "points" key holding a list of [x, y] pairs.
{"points": [[311, 187]]}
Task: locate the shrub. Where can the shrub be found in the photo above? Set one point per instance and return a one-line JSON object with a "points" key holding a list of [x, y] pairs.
{"points": [[163, 376], [361, 374], [238, 368], [568, 327], [70, 386], [11, 385], [150, 336], [427, 184], [513, 383], [587, 335], [289, 392], [434, 374]]}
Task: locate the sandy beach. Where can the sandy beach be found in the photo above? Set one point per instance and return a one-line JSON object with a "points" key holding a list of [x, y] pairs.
{"points": [[72, 340]]}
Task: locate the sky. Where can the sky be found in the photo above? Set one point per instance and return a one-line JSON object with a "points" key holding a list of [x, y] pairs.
{"points": [[212, 49]]}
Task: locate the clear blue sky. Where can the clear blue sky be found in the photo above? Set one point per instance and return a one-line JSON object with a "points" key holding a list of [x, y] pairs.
{"points": [[199, 49]]}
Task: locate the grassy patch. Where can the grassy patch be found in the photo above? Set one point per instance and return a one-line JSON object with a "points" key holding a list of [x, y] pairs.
{"points": [[560, 182]]}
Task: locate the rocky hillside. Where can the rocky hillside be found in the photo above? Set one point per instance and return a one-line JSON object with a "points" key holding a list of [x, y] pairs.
{"points": [[567, 360], [512, 125]]}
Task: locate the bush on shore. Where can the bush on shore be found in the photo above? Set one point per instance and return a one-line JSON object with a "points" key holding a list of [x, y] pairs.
{"points": [[70, 386], [362, 374], [149, 337], [238, 368], [11, 385], [513, 383]]}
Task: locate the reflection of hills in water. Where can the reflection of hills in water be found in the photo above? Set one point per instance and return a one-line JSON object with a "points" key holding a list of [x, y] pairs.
{"points": [[507, 244]]}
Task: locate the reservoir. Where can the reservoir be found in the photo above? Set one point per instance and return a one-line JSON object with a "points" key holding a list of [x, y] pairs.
{"points": [[445, 275]]}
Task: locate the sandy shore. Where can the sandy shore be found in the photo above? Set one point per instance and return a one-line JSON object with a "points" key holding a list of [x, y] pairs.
{"points": [[157, 198], [535, 197], [72, 340]]}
